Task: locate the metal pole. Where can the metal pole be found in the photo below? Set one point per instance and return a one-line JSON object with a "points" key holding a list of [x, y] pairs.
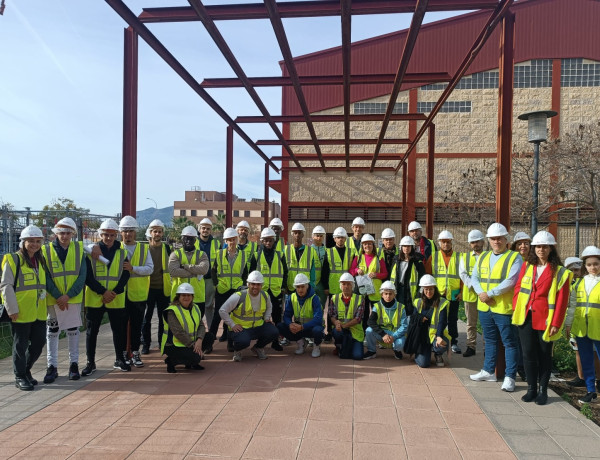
{"points": [[534, 210], [577, 228]]}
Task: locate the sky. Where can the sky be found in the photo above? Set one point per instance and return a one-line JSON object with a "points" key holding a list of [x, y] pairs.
{"points": [[61, 101]]}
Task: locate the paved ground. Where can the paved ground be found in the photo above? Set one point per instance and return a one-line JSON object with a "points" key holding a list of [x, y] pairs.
{"points": [[286, 407]]}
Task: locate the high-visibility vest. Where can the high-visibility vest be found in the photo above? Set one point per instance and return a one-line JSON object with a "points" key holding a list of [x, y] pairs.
{"points": [[189, 319], [469, 260], [418, 303], [374, 267], [351, 244], [447, 279], [244, 315], [319, 254], [433, 248], [30, 284], [198, 285], [64, 276], [230, 278], [138, 285], [166, 277], [296, 266], [489, 279], [344, 315], [215, 245], [586, 321], [303, 313], [381, 254], [561, 277], [109, 278], [280, 245], [337, 267], [273, 274], [414, 279], [249, 251], [384, 320]]}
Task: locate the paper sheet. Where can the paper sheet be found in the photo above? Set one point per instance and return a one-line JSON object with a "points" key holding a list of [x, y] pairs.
{"points": [[68, 318]]}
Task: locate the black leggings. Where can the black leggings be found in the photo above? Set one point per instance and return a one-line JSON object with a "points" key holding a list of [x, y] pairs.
{"points": [[537, 354], [118, 325]]}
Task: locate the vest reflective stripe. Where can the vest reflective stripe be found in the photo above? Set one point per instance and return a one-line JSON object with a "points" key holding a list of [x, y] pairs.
{"points": [[469, 259], [447, 278], [303, 313], [296, 266], [248, 251], [166, 277], [176, 281], [383, 319], [29, 284], [489, 279], [244, 315], [64, 276], [215, 245], [344, 316], [109, 278], [189, 320], [230, 278], [414, 279], [435, 319], [586, 322], [374, 267], [350, 244], [138, 285], [381, 254], [319, 254], [273, 275], [337, 266], [280, 245]]}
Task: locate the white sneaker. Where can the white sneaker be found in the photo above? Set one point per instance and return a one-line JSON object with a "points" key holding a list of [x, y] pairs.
{"points": [[237, 356], [316, 351], [300, 346], [509, 384], [483, 376]]}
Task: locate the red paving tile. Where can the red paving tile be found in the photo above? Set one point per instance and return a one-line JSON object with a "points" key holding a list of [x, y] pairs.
{"points": [[328, 430], [169, 441], [221, 444], [474, 439], [421, 418], [268, 448], [378, 433], [280, 427], [331, 450], [368, 451]]}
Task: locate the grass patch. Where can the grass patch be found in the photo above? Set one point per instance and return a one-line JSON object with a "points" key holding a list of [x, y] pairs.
{"points": [[463, 317], [587, 412]]}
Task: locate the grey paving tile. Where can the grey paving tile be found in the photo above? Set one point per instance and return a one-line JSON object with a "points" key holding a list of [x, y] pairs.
{"points": [[501, 407], [533, 443], [514, 423], [562, 426], [580, 446]]}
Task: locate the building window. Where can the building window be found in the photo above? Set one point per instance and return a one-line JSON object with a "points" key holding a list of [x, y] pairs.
{"points": [[220, 212], [246, 213], [182, 212], [576, 72], [450, 106], [209, 213], [378, 107], [536, 74], [262, 214], [193, 213], [236, 213]]}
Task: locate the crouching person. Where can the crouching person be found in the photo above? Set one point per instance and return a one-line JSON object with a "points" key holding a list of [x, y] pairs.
{"points": [[183, 331], [248, 315], [346, 311], [303, 317], [387, 323]]}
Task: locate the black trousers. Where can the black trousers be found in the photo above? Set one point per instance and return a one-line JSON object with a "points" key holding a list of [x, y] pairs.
{"points": [[264, 334], [118, 325], [537, 354], [219, 301], [367, 312], [156, 298], [28, 341], [182, 355], [453, 321], [135, 313]]}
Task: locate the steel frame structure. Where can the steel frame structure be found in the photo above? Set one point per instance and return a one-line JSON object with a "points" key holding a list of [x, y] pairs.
{"points": [[291, 160]]}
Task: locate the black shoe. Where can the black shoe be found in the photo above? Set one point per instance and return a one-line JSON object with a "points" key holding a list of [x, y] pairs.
{"points": [[223, 338], [577, 383], [597, 385], [196, 367], [397, 354], [51, 374], [522, 374], [89, 369], [530, 395], [23, 383], [469, 352], [230, 348], [542, 397], [589, 398], [208, 351], [327, 338], [33, 381], [74, 372], [121, 365], [145, 349], [370, 355], [275, 346], [170, 366]]}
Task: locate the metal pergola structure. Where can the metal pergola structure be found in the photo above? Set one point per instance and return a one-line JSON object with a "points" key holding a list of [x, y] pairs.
{"points": [[276, 11]]}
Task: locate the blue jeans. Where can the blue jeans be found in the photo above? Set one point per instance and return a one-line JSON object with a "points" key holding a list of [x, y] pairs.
{"points": [[316, 333], [357, 347], [373, 337], [496, 326], [263, 335], [586, 353], [424, 360]]}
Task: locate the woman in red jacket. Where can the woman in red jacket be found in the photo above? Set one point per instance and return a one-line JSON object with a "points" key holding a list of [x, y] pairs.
{"points": [[540, 305]]}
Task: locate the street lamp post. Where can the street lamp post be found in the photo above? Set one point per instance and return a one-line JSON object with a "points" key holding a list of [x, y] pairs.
{"points": [[537, 133], [154, 201]]}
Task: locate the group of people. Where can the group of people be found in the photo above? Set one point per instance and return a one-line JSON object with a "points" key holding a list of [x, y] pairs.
{"points": [[404, 297]]}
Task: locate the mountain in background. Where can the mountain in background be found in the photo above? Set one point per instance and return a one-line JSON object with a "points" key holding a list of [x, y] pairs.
{"points": [[145, 216]]}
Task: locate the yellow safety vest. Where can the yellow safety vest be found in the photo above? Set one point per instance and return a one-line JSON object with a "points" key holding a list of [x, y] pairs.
{"points": [[280, 245], [447, 279], [489, 279], [380, 253], [374, 267], [165, 271], [138, 285], [350, 244], [244, 315], [30, 284], [296, 266], [249, 251], [384, 320], [337, 267], [344, 315], [64, 276], [109, 278], [414, 279], [418, 303], [273, 275], [230, 278], [318, 257], [303, 313], [586, 322], [198, 285], [215, 245], [189, 319], [469, 260]]}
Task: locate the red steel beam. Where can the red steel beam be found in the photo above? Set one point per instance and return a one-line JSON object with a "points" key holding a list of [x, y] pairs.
{"points": [[409, 45], [266, 217], [430, 180], [332, 142], [346, 19], [229, 180], [130, 112], [340, 157], [499, 12], [341, 168], [332, 118]]}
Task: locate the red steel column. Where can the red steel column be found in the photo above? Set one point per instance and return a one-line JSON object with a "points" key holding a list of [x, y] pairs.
{"points": [[412, 159], [130, 107], [555, 134], [229, 179], [285, 185], [430, 180], [266, 219], [404, 210]]}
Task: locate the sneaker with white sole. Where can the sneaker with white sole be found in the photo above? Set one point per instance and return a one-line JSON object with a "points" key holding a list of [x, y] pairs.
{"points": [[456, 349], [370, 355], [300, 347], [237, 356], [126, 358], [136, 359], [508, 384], [259, 352], [439, 361], [284, 342], [316, 351], [589, 398], [483, 376], [122, 366]]}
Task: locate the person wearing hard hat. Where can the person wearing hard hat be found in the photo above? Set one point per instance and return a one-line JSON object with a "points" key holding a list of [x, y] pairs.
{"points": [[249, 247], [159, 291], [444, 267], [208, 244], [540, 303], [586, 320], [248, 315], [303, 317], [354, 242], [23, 286], [319, 254], [468, 260], [407, 270], [387, 323], [66, 265], [423, 245], [299, 257], [493, 280], [105, 293], [183, 331], [389, 251], [521, 244], [346, 311], [277, 226]]}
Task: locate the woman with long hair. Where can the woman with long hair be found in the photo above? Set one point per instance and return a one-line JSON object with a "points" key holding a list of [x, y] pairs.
{"points": [[408, 269], [522, 244]]}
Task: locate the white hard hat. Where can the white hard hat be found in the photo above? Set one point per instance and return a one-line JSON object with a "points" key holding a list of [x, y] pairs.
{"points": [[65, 222], [445, 235], [388, 233], [206, 221], [407, 241], [255, 277], [414, 225], [108, 224], [298, 227], [243, 224], [367, 237], [148, 234], [590, 251], [495, 230], [543, 237], [185, 288], [347, 277], [156, 223], [573, 261], [229, 233], [267, 233], [31, 231], [318, 230], [475, 235], [189, 231], [520, 236], [358, 221], [300, 279], [128, 222], [387, 286], [276, 223], [427, 280], [340, 232]]}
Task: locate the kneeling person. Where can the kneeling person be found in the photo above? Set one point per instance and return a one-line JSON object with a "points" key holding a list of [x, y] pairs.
{"points": [[303, 316], [346, 310], [387, 323]]}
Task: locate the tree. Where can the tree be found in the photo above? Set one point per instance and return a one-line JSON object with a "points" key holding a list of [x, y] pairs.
{"points": [[219, 224], [59, 208]]}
